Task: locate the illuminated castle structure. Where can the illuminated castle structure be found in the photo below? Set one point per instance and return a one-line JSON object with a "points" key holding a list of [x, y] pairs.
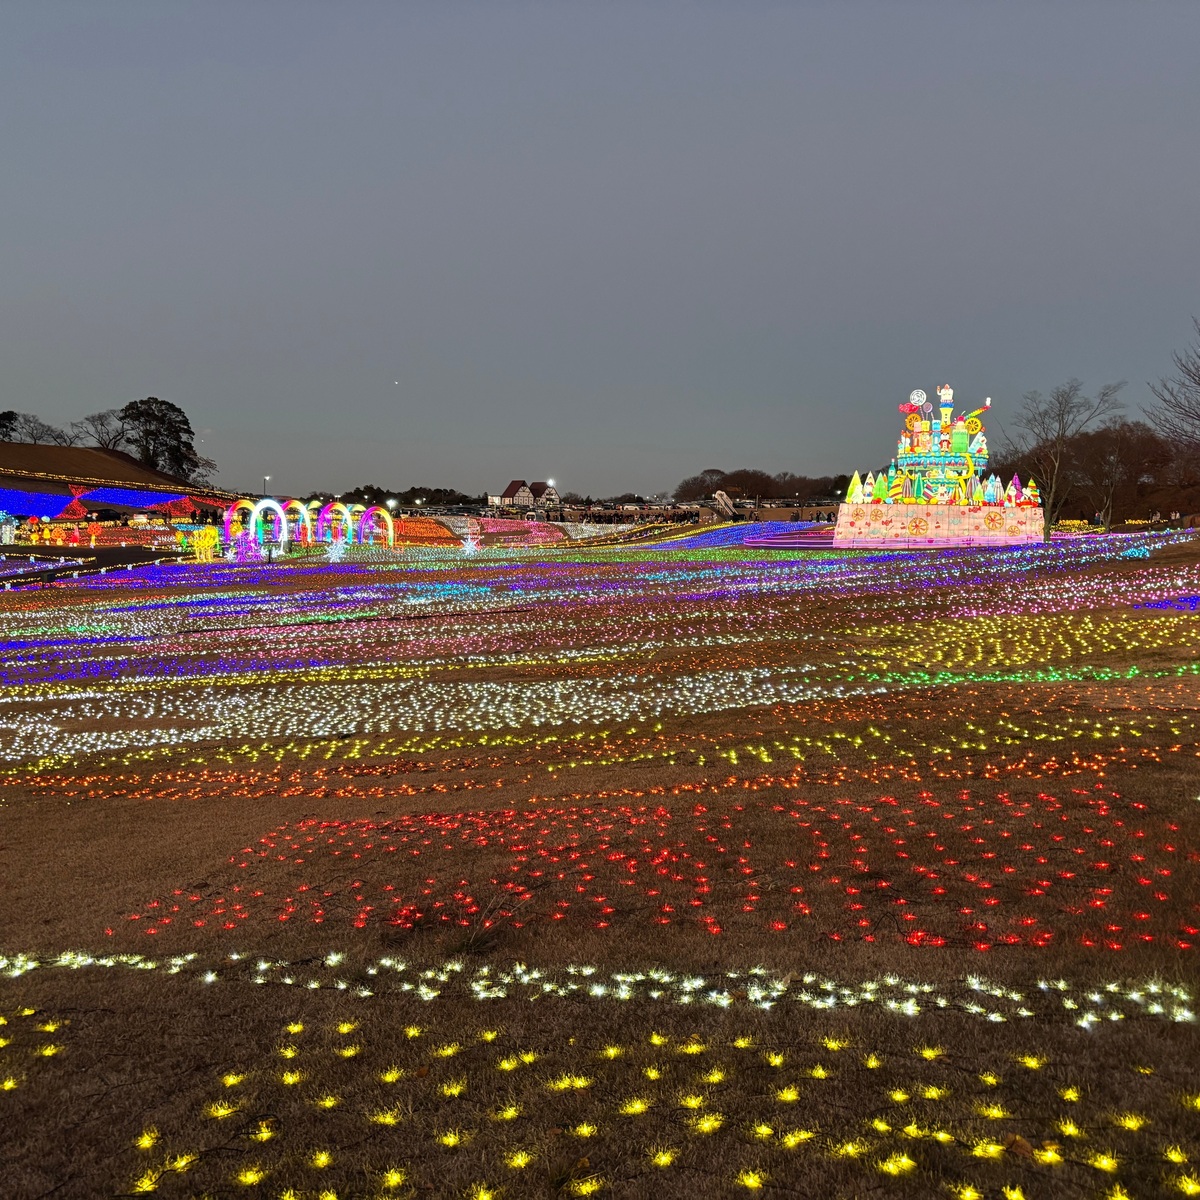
{"points": [[935, 491]]}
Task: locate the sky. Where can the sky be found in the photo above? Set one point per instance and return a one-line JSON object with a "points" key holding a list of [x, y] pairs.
{"points": [[611, 244]]}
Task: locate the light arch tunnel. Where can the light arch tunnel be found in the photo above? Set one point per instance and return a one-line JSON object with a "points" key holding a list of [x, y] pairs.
{"points": [[293, 520]]}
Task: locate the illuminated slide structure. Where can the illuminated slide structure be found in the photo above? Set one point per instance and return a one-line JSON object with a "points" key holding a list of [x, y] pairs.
{"points": [[934, 492]]}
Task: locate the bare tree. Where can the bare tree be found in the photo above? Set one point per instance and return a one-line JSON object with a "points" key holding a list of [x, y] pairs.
{"points": [[29, 427], [1109, 464], [104, 429], [1048, 424], [1179, 417]]}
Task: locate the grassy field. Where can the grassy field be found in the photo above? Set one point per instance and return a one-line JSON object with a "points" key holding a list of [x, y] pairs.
{"points": [[648, 872]]}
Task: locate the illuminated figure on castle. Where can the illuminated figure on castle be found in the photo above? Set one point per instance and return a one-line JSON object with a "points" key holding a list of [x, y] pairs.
{"points": [[940, 465]]}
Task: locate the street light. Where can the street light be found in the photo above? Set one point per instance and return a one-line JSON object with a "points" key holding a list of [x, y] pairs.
{"points": [[391, 503], [266, 480]]}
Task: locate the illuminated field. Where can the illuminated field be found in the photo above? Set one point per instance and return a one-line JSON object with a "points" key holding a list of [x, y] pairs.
{"points": [[828, 872]]}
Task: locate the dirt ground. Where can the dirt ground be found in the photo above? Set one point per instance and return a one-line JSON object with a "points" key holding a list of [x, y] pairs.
{"points": [[614, 874]]}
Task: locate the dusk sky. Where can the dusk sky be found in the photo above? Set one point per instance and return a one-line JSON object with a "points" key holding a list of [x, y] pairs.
{"points": [[611, 244]]}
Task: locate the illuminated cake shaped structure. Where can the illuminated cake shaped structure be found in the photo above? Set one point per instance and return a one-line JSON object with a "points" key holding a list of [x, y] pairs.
{"points": [[935, 492]]}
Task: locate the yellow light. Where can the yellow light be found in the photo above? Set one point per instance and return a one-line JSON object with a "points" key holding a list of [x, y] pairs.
{"points": [[508, 1113], [147, 1139], [743, 1043], [455, 1087], [220, 1109], [9, 1083], [249, 1176], [384, 1117], [989, 1079], [964, 1191], [1032, 1061], [819, 1072], [1070, 1094], [691, 1101], [993, 1112], [934, 1093], [320, 1159], [263, 1132], [451, 1138], [49, 1050], [391, 1075], [832, 1043], [347, 1027], [880, 1125], [291, 1077], [393, 1177], [898, 1095], [327, 1102], [849, 1149], [232, 1080], [508, 1064], [489, 1035], [567, 1083], [584, 1130], [897, 1164], [634, 1107], [987, 1150], [794, 1137], [751, 1179], [659, 1039], [51, 1027], [872, 1062], [448, 1051], [716, 1075], [146, 1183], [1192, 1102], [1012, 1192], [1132, 1121], [519, 1159], [774, 1059], [348, 1051], [662, 1158], [1103, 1162], [1048, 1157], [763, 1132], [612, 1052], [295, 1027], [929, 1053], [586, 1187], [693, 1048], [412, 1031], [1069, 1129], [652, 1073], [1175, 1154], [788, 1095], [709, 1123], [181, 1162], [481, 1192], [1189, 1185]]}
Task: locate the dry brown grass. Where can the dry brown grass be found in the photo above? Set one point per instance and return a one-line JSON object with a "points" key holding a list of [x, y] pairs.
{"points": [[1096, 777]]}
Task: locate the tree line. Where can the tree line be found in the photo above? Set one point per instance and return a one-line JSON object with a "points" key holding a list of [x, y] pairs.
{"points": [[156, 432], [751, 482]]}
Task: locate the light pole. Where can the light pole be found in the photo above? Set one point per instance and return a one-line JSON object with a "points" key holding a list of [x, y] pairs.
{"points": [[266, 480]]}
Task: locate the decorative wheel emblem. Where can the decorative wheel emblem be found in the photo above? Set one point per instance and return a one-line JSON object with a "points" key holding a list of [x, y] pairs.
{"points": [[911, 420], [994, 520], [974, 425], [918, 526], [917, 397]]}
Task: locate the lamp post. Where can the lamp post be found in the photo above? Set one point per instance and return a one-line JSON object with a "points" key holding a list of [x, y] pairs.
{"points": [[266, 480]]}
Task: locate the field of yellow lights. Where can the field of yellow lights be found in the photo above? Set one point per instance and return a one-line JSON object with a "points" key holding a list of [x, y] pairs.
{"points": [[626, 871]]}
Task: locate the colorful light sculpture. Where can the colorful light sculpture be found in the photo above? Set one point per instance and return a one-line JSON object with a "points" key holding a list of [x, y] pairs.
{"points": [[934, 491]]}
